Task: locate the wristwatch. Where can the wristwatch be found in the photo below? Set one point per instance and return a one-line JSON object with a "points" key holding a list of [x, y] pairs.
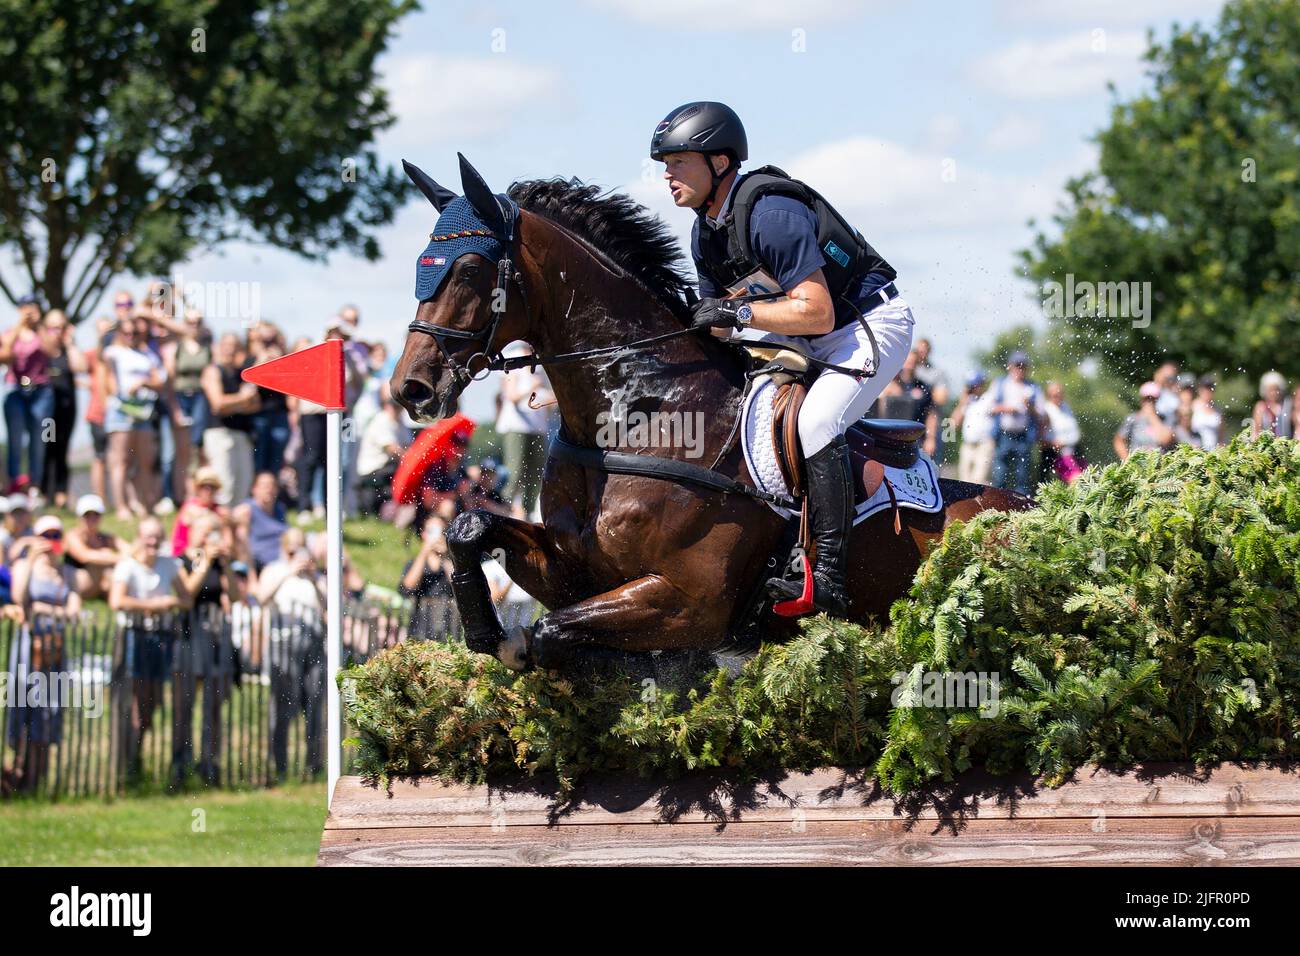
{"points": [[744, 316]]}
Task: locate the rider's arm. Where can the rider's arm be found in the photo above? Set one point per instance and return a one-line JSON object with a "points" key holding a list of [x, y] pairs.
{"points": [[783, 236], [807, 310]]}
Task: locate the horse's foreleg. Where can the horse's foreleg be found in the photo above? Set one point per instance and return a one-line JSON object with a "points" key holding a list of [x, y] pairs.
{"points": [[650, 613], [530, 558]]}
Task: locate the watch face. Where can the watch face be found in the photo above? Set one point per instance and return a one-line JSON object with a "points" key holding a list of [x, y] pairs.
{"points": [[745, 314]]}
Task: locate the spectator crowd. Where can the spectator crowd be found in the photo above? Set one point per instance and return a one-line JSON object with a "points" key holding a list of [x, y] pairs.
{"points": [[1001, 425], [239, 472], [236, 581]]}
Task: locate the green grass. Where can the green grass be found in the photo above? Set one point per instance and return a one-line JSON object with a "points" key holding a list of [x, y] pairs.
{"points": [[378, 549], [279, 827]]}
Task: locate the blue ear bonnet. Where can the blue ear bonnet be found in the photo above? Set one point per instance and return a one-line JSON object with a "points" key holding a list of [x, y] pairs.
{"points": [[459, 230]]}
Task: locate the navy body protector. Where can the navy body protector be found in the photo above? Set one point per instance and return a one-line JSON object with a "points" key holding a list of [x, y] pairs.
{"points": [[729, 257]]}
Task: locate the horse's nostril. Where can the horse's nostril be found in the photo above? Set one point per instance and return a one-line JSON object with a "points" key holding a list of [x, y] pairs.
{"points": [[415, 393]]}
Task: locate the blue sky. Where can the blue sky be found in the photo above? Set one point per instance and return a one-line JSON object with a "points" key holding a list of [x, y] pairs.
{"points": [[938, 129]]}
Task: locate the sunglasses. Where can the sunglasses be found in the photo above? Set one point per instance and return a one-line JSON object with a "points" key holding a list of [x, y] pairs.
{"points": [[52, 535]]}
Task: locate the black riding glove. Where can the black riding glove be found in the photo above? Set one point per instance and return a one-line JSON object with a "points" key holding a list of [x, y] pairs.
{"points": [[716, 314]]}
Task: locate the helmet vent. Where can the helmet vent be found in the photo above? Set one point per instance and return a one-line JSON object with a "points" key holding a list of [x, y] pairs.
{"points": [[686, 114]]}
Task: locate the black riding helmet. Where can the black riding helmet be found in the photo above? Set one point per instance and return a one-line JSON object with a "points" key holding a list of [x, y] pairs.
{"points": [[704, 127]]}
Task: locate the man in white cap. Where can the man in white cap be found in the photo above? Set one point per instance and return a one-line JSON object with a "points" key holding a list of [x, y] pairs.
{"points": [[91, 552]]}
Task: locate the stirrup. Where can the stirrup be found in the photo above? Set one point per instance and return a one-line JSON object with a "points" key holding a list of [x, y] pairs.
{"points": [[834, 604], [803, 604]]}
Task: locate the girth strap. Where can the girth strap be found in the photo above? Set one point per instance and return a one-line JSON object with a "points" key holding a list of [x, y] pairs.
{"points": [[666, 469]]}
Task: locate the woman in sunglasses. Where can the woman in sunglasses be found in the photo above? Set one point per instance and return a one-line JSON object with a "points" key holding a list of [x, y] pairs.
{"points": [[42, 588]]}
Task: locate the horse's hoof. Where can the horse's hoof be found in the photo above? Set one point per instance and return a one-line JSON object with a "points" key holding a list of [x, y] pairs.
{"points": [[513, 651]]}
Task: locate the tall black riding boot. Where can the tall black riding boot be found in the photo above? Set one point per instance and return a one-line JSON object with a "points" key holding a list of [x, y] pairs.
{"points": [[830, 490]]}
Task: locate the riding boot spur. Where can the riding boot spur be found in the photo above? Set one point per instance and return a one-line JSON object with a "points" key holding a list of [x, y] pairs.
{"points": [[831, 505]]}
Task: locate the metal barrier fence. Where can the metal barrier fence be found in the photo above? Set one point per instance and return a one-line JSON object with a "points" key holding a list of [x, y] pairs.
{"points": [[114, 704]]}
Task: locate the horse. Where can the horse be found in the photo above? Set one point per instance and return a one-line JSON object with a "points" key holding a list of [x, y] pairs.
{"points": [[624, 563]]}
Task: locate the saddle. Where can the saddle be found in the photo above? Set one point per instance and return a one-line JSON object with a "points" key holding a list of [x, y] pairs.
{"points": [[873, 442]]}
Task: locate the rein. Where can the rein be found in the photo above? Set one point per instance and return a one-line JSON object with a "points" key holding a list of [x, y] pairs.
{"points": [[499, 363], [607, 461]]}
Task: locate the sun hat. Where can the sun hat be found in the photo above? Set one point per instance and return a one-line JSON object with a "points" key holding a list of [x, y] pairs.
{"points": [[47, 523], [340, 324], [1149, 390], [89, 503], [207, 476]]}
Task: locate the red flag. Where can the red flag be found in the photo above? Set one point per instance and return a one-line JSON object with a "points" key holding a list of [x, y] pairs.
{"points": [[314, 374]]}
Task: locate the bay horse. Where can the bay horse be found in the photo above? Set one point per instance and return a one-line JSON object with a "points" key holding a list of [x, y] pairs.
{"points": [[624, 562]]}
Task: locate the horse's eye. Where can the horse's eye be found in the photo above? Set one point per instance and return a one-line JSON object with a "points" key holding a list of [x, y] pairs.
{"points": [[470, 273]]}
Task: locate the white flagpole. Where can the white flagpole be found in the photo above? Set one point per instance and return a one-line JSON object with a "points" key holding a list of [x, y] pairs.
{"points": [[334, 595]]}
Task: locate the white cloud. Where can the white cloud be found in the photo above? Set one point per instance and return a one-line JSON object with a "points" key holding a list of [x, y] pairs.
{"points": [[953, 243], [1075, 65], [1013, 132], [905, 190], [457, 97], [733, 14]]}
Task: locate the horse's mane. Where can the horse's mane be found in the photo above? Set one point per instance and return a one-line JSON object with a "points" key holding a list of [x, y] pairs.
{"points": [[617, 229]]}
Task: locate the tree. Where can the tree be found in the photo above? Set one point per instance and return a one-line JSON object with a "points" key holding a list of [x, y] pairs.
{"points": [[1195, 193], [135, 134]]}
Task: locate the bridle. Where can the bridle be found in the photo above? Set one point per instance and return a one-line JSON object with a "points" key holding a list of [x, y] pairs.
{"points": [[506, 273], [496, 362]]}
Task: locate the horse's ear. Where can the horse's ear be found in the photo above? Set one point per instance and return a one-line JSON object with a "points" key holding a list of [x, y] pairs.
{"points": [[481, 198], [438, 195]]}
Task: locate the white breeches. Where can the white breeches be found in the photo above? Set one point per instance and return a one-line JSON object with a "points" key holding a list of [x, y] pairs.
{"points": [[836, 400]]}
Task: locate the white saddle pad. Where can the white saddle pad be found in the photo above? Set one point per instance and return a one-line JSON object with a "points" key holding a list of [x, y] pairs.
{"points": [[916, 487]]}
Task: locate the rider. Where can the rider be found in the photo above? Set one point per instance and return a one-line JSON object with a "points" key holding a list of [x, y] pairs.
{"points": [[839, 296]]}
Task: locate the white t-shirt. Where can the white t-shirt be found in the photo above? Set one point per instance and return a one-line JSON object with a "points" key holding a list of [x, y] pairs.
{"points": [[497, 578], [517, 416], [383, 430], [1206, 423], [1019, 395], [296, 595], [132, 367], [143, 581], [1062, 426], [977, 423]]}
